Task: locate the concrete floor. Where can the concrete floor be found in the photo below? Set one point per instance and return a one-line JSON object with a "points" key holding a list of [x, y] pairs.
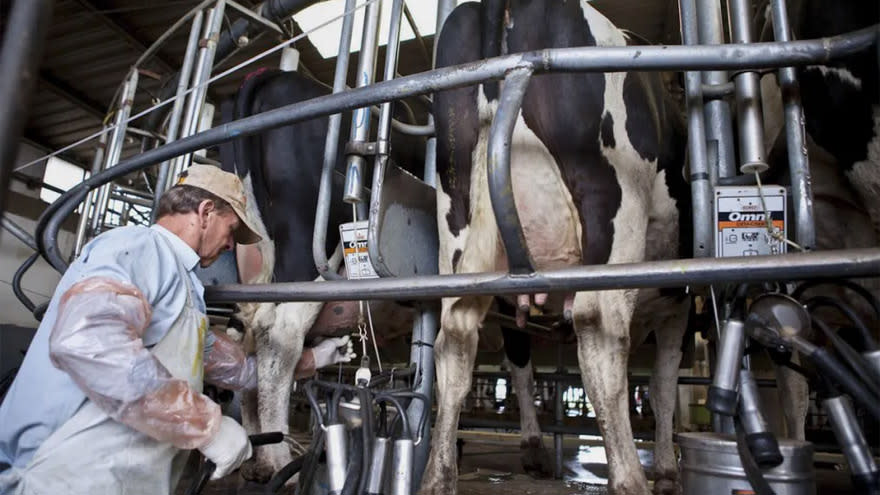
{"points": [[490, 465]]}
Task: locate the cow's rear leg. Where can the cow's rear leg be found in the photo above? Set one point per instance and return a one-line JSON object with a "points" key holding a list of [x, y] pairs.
{"points": [[535, 459], [454, 351], [602, 322], [278, 350], [664, 392], [794, 392]]}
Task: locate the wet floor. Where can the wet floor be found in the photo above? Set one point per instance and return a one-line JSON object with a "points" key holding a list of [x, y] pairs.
{"points": [[491, 465]]}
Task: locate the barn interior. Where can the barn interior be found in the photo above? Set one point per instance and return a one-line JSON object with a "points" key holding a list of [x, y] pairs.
{"points": [[90, 49]]}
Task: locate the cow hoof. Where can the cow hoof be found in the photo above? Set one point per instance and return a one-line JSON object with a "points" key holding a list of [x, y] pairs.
{"points": [[535, 459], [666, 486], [256, 471]]}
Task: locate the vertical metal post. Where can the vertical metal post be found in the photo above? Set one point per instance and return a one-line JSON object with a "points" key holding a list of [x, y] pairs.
{"points": [[719, 127], [558, 414], [117, 142], [701, 186], [177, 110], [88, 204], [795, 136], [331, 150], [748, 94], [202, 73], [360, 125], [422, 356], [392, 50], [428, 321], [20, 56]]}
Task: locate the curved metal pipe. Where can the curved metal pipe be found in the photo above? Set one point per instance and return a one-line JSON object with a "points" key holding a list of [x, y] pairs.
{"points": [[331, 150], [582, 59], [19, 232], [500, 181]]}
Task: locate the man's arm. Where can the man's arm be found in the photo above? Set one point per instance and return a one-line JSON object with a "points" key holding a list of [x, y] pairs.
{"points": [[96, 339], [227, 366]]}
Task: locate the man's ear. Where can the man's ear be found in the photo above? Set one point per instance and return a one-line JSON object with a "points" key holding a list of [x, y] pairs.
{"points": [[205, 207]]}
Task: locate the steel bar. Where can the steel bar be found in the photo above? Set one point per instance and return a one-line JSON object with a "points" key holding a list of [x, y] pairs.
{"points": [[795, 136], [656, 274], [255, 16], [202, 73], [701, 184], [500, 181], [147, 203], [331, 149], [360, 121], [575, 378], [19, 232], [392, 52], [20, 56], [556, 429], [422, 357], [89, 204], [415, 28], [558, 414], [183, 79], [719, 124], [752, 156], [758, 55], [114, 150]]}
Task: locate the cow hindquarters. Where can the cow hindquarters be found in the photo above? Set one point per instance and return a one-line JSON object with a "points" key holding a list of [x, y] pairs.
{"points": [[454, 352]]}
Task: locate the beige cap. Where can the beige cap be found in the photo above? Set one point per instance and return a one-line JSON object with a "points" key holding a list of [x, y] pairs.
{"points": [[228, 187]]}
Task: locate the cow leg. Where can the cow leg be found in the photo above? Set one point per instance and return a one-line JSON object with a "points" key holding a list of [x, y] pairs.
{"points": [[794, 391], [663, 396], [602, 323], [535, 459], [278, 350], [454, 352]]}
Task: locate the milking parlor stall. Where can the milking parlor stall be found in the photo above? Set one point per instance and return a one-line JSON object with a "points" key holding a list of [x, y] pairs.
{"points": [[516, 246]]}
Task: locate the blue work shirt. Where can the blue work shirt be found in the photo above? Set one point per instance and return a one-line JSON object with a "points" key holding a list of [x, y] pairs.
{"points": [[42, 397]]}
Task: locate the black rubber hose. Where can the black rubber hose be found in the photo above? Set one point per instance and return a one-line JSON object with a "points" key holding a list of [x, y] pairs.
{"points": [[285, 474], [849, 284], [333, 407], [367, 440], [823, 301], [856, 361], [753, 472], [208, 467], [310, 466], [401, 413], [16, 282], [847, 382], [426, 413], [355, 461], [309, 388]]}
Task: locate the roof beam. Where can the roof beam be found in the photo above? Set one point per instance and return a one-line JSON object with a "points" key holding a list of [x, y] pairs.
{"points": [[72, 95], [124, 31]]}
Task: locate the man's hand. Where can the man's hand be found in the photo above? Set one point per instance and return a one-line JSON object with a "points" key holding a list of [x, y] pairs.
{"points": [[333, 351]]}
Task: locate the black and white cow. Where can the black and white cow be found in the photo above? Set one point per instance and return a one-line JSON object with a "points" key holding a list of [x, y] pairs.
{"points": [[281, 171], [596, 164], [841, 99]]}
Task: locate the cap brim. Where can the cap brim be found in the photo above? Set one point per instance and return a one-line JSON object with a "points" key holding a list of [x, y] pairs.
{"points": [[246, 233]]}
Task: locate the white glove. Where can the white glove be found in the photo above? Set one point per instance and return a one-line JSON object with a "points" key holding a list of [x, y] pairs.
{"points": [[228, 448], [332, 351]]}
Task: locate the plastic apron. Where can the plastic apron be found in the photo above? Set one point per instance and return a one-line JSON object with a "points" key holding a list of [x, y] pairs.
{"points": [[94, 454]]}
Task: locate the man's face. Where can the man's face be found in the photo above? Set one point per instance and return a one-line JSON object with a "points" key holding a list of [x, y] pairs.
{"points": [[217, 232]]}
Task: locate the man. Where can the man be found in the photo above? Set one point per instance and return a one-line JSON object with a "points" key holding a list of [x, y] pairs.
{"points": [[108, 398]]}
